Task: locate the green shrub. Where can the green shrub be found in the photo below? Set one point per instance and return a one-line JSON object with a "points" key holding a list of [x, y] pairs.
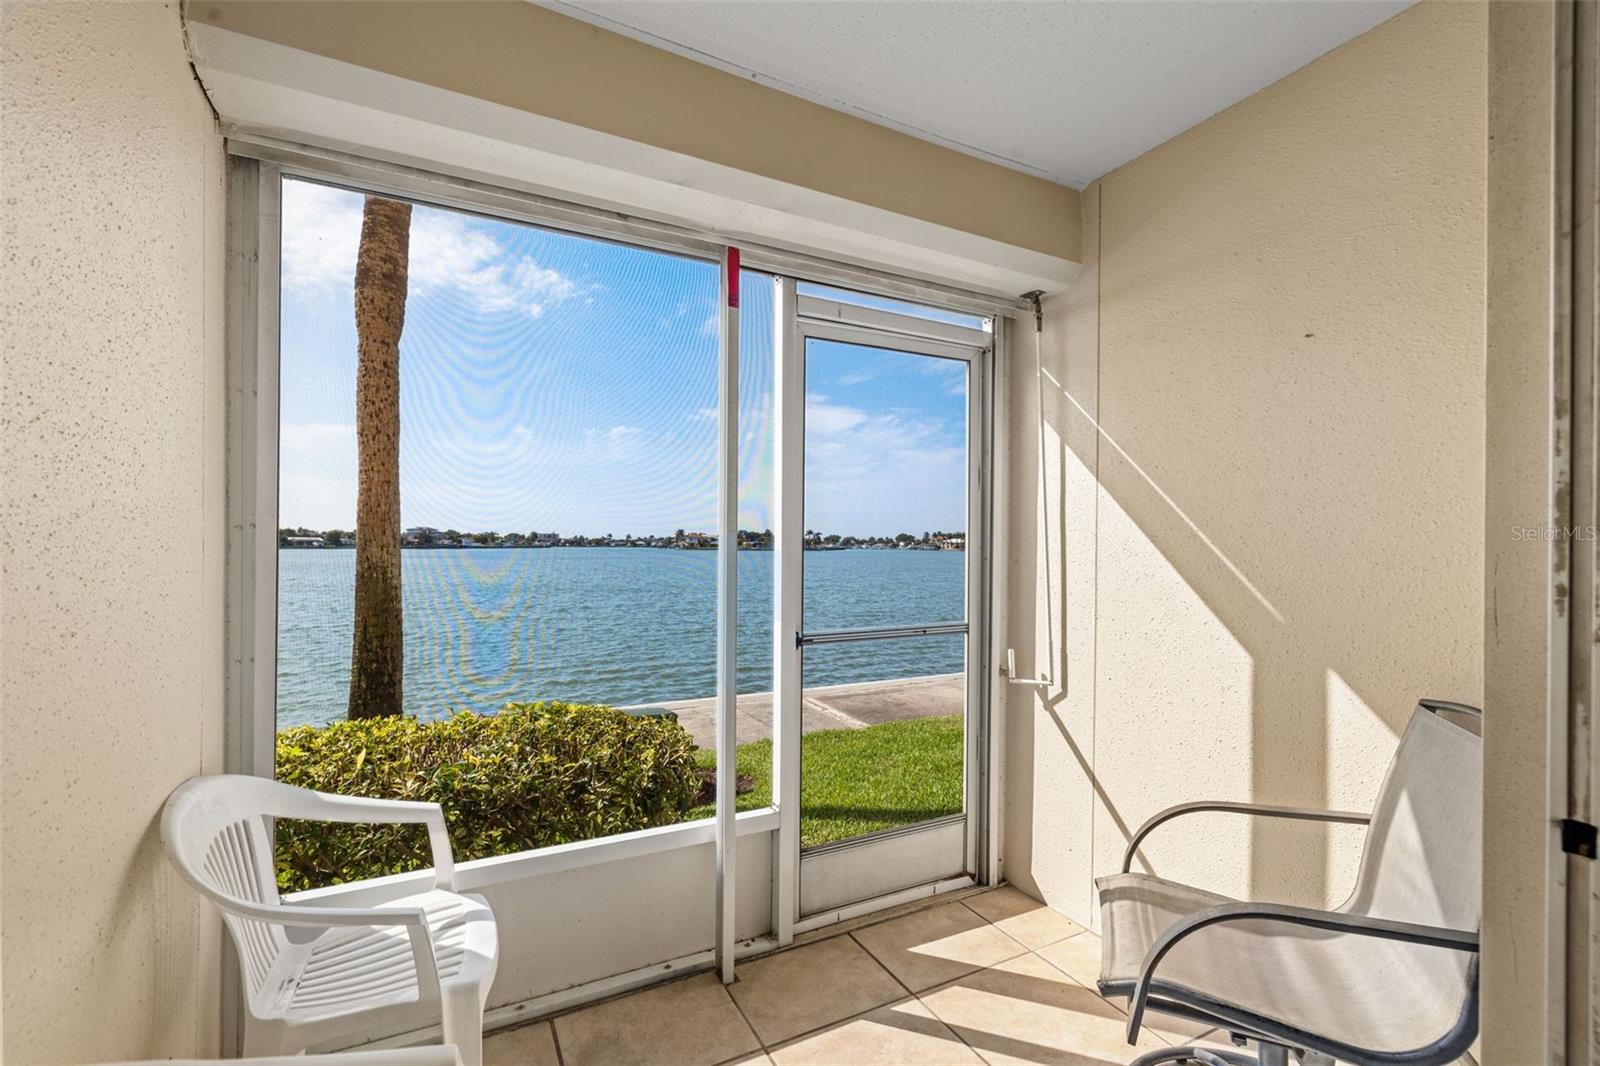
{"points": [[534, 775]]}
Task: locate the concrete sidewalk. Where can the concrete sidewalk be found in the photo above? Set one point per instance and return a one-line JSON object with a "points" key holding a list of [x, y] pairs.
{"points": [[830, 707]]}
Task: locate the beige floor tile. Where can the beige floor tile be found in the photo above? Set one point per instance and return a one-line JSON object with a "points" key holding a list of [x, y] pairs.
{"points": [[688, 1021], [936, 945], [1024, 1010], [529, 1045], [904, 1032], [1022, 918], [760, 1058], [1177, 1031], [1077, 956], [1217, 1038], [806, 988], [1199, 1036]]}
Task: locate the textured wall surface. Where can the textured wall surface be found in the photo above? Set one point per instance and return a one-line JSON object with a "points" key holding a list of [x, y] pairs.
{"points": [[1264, 469], [1522, 997], [1050, 596], [111, 526]]}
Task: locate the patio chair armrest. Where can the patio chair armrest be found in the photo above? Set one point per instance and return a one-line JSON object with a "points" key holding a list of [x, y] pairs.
{"points": [[1308, 917], [1260, 810], [328, 807], [413, 919]]}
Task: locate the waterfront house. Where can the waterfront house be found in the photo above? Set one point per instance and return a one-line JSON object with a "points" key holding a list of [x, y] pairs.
{"points": [[1245, 353]]}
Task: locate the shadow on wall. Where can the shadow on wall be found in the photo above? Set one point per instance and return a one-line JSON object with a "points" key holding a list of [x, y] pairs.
{"points": [[1263, 468], [1276, 659]]}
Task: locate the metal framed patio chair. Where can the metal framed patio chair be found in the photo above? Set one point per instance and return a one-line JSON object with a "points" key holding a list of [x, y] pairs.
{"points": [[317, 977], [1390, 978]]}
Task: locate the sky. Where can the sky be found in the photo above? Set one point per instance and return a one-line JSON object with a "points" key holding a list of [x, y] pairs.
{"points": [[556, 383]]}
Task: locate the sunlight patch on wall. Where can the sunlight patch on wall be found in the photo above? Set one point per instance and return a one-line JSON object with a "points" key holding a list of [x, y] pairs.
{"points": [[1170, 502], [1360, 745], [1175, 705]]}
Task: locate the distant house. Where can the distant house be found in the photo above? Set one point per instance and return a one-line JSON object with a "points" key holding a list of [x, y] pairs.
{"points": [[755, 540], [418, 537], [305, 542]]}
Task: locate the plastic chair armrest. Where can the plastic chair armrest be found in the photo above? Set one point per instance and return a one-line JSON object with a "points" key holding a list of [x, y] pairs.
{"points": [[328, 807], [413, 919]]}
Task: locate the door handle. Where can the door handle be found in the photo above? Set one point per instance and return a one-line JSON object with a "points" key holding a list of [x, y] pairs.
{"points": [[1043, 681]]}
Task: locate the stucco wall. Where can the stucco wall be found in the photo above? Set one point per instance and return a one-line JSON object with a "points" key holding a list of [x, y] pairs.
{"points": [[1264, 470], [1524, 683], [111, 525]]}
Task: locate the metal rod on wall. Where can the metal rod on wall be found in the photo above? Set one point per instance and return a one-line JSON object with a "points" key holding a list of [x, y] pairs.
{"points": [[727, 607], [1041, 682]]}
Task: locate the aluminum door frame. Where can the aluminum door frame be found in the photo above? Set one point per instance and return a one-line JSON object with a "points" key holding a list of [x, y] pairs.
{"points": [[859, 861]]}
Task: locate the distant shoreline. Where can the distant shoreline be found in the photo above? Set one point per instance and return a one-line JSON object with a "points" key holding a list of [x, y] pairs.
{"points": [[747, 540], [481, 629], [618, 544]]}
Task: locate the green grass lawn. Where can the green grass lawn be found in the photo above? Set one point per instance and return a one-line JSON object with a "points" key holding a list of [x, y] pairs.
{"points": [[858, 781]]}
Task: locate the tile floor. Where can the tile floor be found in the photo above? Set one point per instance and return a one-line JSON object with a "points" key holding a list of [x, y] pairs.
{"points": [[987, 977]]}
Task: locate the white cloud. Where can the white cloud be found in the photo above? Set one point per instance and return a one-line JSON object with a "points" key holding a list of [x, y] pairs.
{"points": [[824, 419], [623, 434], [318, 500], [954, 374], [316, 437], [322, 228], [881, 472], [317, 476]]}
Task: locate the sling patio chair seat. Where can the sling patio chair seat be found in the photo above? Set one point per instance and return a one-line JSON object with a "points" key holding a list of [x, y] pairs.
{"points": [[1389, 978]]}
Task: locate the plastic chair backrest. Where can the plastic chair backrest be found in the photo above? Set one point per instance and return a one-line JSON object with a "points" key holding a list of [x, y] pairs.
{"points": [[214, 831]]}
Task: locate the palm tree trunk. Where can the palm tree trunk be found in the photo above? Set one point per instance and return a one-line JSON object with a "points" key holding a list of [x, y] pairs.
{"points": [[377, 655]]}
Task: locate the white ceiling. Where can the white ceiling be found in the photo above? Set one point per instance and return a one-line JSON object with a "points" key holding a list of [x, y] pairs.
{"points": [[1065, 90]]}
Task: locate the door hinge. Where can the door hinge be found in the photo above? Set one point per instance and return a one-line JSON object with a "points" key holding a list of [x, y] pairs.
{"points": [[1578, 838]]}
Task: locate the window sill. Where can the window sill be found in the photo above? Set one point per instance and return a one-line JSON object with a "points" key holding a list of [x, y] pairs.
{"points": [[522, 865]]}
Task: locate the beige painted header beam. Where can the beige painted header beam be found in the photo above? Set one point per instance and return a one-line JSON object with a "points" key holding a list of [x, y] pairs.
{"points": [[513, 88]]}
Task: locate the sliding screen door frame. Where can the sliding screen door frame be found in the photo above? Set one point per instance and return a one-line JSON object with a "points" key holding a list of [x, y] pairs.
{"points": [[255, 170], [799, 319]]}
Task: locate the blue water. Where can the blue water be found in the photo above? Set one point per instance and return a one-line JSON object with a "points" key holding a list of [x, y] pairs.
{"points": [[608, 625]]}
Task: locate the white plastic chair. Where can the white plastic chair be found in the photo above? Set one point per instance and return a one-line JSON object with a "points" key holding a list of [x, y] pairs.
{"points": [[318, 977]]}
